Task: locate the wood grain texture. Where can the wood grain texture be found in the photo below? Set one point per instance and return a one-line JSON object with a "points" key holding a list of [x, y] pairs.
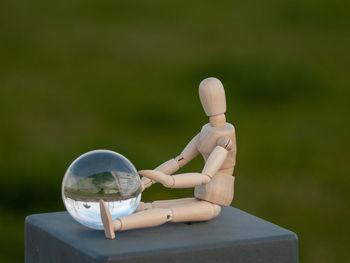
{"points": [[212, 96], [214, 186], [106, 220], [219, 190]]}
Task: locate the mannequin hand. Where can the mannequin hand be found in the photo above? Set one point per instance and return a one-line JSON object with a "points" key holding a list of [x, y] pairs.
{"points": [[159, 177], [143, 185]]}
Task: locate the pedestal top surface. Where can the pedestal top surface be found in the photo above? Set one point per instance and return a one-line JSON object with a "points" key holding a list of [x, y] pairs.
{"points": [[232, 227]]}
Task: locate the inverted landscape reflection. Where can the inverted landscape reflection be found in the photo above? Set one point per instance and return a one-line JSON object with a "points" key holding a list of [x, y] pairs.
{"points": [[100, 174]]}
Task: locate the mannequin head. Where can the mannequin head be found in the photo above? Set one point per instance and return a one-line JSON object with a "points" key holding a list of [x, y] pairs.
{"points": [[212, 96]]}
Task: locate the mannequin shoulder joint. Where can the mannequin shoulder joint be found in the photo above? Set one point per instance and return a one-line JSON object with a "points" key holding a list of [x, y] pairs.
{"points": [[224, 142]]}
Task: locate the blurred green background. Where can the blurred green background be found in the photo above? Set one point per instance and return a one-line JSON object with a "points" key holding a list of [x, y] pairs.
{"points": [[82, 75]]}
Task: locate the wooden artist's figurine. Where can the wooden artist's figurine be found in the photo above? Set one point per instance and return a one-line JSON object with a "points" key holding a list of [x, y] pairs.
{"points": [[216, 142]]}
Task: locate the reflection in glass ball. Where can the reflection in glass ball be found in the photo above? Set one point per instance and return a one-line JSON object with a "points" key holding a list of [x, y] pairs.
{"points": [[100, 174]]}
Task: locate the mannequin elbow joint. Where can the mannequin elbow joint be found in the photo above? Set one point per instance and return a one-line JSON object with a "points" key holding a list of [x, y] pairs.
{"points": [[205, 179]]}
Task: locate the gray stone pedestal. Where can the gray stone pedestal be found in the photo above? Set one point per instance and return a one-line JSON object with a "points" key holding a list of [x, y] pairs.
{"points": [[234, 236]]}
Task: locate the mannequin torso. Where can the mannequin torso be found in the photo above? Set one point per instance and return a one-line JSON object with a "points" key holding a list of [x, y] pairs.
{"points": [[220, 189]]}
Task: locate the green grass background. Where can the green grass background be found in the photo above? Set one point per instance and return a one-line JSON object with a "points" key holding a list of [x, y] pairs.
{"points": [[123, 75]]}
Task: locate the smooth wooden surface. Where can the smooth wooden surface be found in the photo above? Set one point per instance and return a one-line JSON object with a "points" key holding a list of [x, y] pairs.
{"points": [[214, 186], [215, 160], [212, 96], [219, 190], [107, 220]]}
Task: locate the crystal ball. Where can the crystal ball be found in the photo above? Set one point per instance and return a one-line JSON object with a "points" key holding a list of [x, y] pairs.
{"points": [[100, 174]]}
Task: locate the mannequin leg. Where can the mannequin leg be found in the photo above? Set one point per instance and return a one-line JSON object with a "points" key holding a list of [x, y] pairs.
{"points": [[197, 210], [165, 203]]}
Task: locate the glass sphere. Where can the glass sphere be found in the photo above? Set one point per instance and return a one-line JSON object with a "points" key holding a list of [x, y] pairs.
{"points": [[100, 174]]}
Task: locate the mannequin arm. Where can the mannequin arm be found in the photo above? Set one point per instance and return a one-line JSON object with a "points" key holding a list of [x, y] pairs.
{"points": [[174, 165], [187, 180]]}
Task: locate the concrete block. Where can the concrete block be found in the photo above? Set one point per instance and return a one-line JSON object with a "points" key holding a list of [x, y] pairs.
{"points": [[234, 236]]}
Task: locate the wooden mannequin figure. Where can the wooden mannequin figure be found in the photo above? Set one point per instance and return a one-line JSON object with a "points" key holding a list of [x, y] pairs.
{"points": [[216, 142]]}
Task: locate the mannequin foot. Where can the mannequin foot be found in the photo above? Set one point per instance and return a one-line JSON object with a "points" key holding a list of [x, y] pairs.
{"points": [[107, 220]]}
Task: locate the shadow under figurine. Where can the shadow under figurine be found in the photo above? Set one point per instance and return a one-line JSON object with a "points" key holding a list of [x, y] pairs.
{"points": [[213, 186]]}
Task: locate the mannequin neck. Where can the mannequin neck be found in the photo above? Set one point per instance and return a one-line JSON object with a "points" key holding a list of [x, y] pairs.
{"points": [[218, 120]]}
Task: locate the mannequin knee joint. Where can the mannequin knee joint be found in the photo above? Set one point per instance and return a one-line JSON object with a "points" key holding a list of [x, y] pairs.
{"points": [[216, 210]]}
